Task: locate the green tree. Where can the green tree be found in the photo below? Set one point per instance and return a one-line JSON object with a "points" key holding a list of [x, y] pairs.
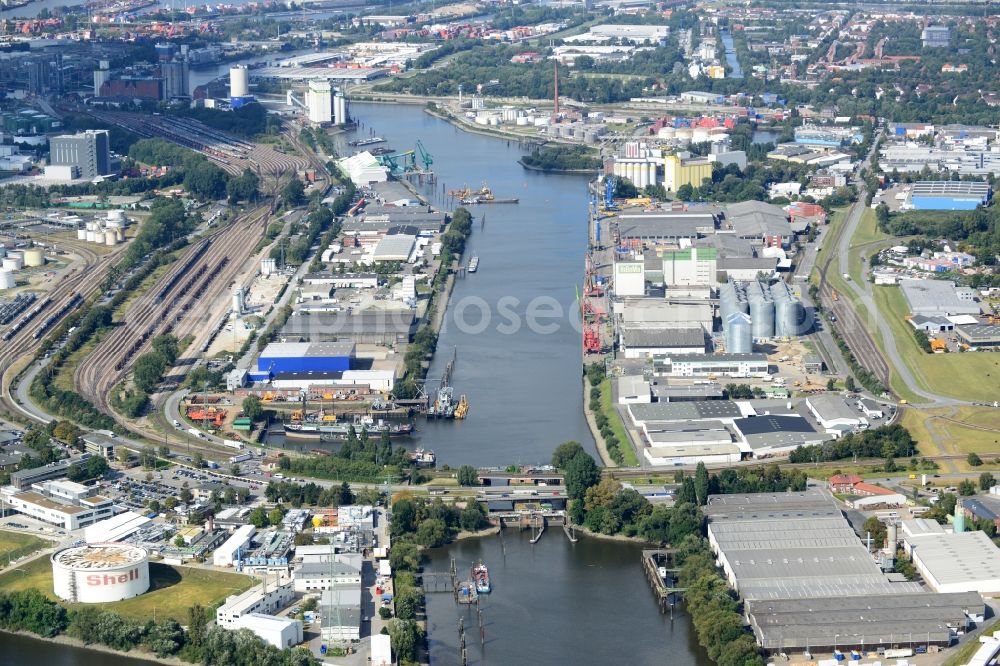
{"points": [[974, 459], [877, 529], [701, 484], [830, 384], [275, 515], [966, 488], [408, 603], [252, 407], [292, 193], [258, 517], [167, 346], [148, 371], [986, 481], [345, 495], [468, 476], [179, 541], [566, 452], [197, 625], [581, 472], [849, 384], [431, 533]]}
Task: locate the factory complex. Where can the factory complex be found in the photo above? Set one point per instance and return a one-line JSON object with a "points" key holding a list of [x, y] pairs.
{"points": [[809, 583]]}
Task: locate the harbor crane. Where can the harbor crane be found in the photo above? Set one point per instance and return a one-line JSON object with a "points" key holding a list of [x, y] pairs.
{"points": [[425, 156]]}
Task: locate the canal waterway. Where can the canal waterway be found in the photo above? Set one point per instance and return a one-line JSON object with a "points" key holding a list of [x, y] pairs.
{"points": [[731, 59], [556, 602], [513, 326]]}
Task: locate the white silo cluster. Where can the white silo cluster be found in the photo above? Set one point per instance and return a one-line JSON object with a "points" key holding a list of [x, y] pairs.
{"points": [[13, 260], [104, 231], [752, 311], [8, 279], [638, 163]]}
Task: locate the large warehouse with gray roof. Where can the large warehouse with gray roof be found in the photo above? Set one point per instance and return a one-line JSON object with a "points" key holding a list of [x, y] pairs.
{"points": [[809, 583]]}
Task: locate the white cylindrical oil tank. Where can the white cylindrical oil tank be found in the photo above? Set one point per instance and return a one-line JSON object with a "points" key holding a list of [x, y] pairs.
{"points": [[15, 254], [119, 235], [13, 263], [110, 238], [651, 175], [34, 257], [91, 235], [100, 573], [8, 280], [116, 216], [81, 234]]}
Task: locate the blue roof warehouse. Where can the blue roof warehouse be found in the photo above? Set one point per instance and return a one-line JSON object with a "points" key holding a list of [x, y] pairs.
{"points": [[280, 357]]}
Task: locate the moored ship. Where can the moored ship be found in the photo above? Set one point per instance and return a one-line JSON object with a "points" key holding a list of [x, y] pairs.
{"points": [[481, 577]]}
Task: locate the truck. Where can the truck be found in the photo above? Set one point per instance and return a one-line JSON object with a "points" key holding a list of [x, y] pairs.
{"points": [[898, 653], [196, 433], [240, 457]]}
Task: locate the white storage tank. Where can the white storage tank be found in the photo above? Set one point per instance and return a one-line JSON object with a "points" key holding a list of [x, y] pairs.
{"points": [[81, 234], [13, 263], [8, 280], [15, 254], [110, 238], [34, 257], [119, 235], [239, 81], [100, 573], [91, 236]]}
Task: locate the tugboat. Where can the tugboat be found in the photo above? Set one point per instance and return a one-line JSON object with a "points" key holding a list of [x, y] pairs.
{"points": [[481, 577]]}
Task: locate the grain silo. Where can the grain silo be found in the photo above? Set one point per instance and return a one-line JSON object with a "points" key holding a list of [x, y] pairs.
{"points": [[739, 333], [761, 310]]}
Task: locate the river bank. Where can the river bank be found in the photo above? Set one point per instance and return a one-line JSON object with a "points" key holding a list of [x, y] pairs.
{"points": [[530, 167]]}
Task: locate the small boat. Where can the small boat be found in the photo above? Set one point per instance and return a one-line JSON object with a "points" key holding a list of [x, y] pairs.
{"points": [[474, 264], [367, 142], [423, 458], [485, 196], [481, 577]]}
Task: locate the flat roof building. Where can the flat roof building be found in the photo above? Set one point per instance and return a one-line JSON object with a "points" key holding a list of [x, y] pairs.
{"points": [[266, 598], [664, 226], [833, 413], [720, 365], [979, 335], [281, 632], [772, 434], [938, 297], [963, 562], [949, 194], [695, 410], [647, 342]]}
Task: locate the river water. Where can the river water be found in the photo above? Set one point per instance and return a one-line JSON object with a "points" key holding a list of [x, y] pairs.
{"points": [[555, 602]]}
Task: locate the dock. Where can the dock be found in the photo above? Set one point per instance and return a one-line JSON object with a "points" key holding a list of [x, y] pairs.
{"points": [[666, 595]]}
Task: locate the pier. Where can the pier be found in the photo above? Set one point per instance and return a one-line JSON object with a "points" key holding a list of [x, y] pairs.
{"points": [[652, 561]]}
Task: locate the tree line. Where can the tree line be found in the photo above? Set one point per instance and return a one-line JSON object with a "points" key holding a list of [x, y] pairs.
{"points": [[888, 441], [33, 612]]}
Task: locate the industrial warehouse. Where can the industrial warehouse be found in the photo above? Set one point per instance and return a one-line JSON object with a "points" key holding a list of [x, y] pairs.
{"points": [[808, 583]]}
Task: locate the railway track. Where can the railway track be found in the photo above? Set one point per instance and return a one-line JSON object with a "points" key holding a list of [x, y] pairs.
{"points": [[848, 324], [68, 294], [201, 275]]}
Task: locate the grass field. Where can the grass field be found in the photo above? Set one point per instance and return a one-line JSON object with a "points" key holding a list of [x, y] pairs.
{"points": [[615, 419], [981, 434], [172, 589], [15, 545], [972, 376]]}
